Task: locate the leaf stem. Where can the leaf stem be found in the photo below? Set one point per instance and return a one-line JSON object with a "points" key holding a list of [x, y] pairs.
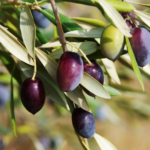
{"points": [[59, 26], [80, 52], [35, 69]]}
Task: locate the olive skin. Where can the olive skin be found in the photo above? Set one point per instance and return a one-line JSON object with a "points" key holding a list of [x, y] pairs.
{"points": [[112, 42], [33, 94], [83, 123], [140, 43], [69, 71], [96, 72]]}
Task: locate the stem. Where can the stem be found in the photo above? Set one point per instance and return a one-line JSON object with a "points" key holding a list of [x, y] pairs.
{"points": [[59, 26], [35, 69], [23, 3], [80, 52], [86, 142]]}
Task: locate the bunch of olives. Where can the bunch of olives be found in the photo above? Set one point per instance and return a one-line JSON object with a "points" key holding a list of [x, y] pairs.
{"points": [[71, 67]]}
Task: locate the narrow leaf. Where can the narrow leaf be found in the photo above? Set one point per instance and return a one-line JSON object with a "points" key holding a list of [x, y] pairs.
{"points": [[90, 21], [13, 46], [28, 29], [111, 70], [134, 63], [67, 23], [87, 47], [145, 17], [86, 33], [12, 107], [94, 86], [111, 90], [103, 143], [50, 45], [114, 17]]}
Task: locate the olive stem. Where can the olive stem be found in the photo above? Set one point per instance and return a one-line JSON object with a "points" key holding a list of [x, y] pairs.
{"points": [[86, 142], [59, 26], [35, 69], [23, 3], [80, 52]]}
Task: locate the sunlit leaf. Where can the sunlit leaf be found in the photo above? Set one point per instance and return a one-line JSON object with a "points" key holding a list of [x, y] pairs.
{"points": [[13, 46], [134, 63], [94, 86], [111, 70], [86, 33], [114, 17], [90, 21], [103, 143], [111, 90], [87, 47], [145, 17], [28, 29]]}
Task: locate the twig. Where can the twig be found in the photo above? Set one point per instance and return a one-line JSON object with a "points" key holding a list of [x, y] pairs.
{"points": [[80, 52], [59, 26]]}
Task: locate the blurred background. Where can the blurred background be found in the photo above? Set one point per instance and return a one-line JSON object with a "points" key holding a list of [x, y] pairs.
{"points": [[124, 120]]}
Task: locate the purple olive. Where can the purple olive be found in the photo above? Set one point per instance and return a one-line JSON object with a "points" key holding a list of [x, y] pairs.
{"points": [[33, 94], [96, 72], [69, 71], [140, 43], [83, 123]]}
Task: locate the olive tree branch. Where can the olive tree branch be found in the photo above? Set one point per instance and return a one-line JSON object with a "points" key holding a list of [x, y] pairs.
{"points": [[59, 26]]}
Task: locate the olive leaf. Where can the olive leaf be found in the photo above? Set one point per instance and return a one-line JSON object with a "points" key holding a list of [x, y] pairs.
{"points": [[114, 17], [111, 90], [145, 17], [94, 86], [86, 33], [13, 46], [103, 143], [111, 70], [87, 47], [90, 21], [28, 29], [134, 63]]}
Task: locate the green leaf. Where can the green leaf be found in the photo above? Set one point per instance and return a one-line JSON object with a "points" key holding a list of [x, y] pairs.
{"points": [[94, 22], [146, 5], [111, 90], [28, 29], [134, 63], [67, 23], [13, 46], [103, 143], [12, 107], [87, 47], [118, 5], [111, 70], [86, 33], [114, 17], [144, 17], [9, 63], [94, 86], [51, 66]]}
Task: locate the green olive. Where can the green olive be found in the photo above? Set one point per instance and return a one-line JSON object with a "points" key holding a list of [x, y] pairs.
{"points": [[112, 42]]}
